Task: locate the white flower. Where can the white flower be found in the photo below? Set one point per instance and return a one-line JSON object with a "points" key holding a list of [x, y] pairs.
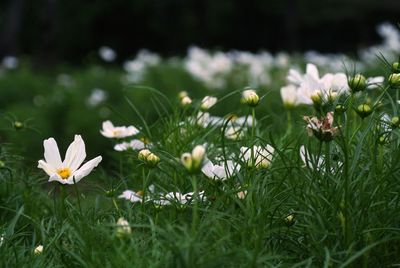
{"points": [[132, 196], [262, 156], [180, 198], [313, 162], [110, 131], [67, 172], [220, 172], [96, 97], [186, 101], [374, 82], [234, 133], [38, 250], [10, 62], [107, 54], [208, 102], [250, 97], [133, 144]]}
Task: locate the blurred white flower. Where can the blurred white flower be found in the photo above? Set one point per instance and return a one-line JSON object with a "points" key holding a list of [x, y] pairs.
{"points": [[220, 172], [234, 132], [208, 102], [262, 156], [110, 131], [289, 96], [96, 97], [67, 172], [132, 196], [250, 97], [133, 144], [177, 197], [137, 68], [315, 163], [65, 80], [107, 54], [10, 62]]}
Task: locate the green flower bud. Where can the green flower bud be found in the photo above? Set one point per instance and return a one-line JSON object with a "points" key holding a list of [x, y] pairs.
{"points": [[339, 109], [396, 67], [18, 125], [358, 83], [148, 157], [364, 110], [395, 121], [394, 79]]}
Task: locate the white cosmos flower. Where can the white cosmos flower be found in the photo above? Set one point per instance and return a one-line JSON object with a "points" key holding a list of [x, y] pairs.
{"points": [[234, 132], [289, 96], [110, 131], [262, 156], [180, 198], [220, 172], [67, 171], [132, 196], [314, 162], [133, 144], [107, 54]]}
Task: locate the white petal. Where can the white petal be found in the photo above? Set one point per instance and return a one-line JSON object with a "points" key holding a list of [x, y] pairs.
{"points": [[207, 169], [56, 177], [108, 126], [47, 168], [86, 168], [51, 153], [76, 153]]}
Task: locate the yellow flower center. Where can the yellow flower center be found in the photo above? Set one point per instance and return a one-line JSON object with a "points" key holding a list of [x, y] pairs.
{"points": [[64, 173], [116, 132]]}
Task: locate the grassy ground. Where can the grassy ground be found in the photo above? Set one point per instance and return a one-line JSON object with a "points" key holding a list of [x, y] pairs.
{"points": [[343, 212]]}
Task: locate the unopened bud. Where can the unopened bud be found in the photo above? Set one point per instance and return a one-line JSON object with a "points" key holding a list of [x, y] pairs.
{"points": [[38, 250], [148, 157], [18, 125], [364, 110], [185, 101], [395, 121], [396, 67], [250, 98], [339, 109], [289, 220], [358, 83], [123, 227], [394, 79]]}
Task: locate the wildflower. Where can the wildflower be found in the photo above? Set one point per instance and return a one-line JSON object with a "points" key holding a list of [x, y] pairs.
{"points": [[107, 54], [148, 157], [67, 172], [180, 198], [220, 172], [123, 227], [10, 62], [364, 110], [96, 97], [234, 133], [133, 144], [394, 79], [262, 156], [193, 161], [208, 102], [132, 196], [323, 130], [38, 250], [250, 97], [110, 131], [186, 101], [358, 83]]}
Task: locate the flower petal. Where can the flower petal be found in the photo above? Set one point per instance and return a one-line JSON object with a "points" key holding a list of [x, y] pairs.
{"points": [[86, 168], [46, 167], [51, 153], [76, 153]]}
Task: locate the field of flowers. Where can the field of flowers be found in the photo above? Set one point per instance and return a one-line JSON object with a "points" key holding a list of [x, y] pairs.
{"points": [[214, 159]]}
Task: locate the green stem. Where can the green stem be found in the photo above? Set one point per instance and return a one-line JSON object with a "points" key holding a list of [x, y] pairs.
{"points": [[195, 214], [253, 131]]}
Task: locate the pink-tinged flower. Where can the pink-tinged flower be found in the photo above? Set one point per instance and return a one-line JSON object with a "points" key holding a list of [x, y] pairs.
{"points": [[132, 196], [68, 171], [110, 131], [322, 129]]}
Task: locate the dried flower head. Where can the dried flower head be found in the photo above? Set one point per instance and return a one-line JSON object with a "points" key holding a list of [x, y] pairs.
{"points": [[322, 129]]}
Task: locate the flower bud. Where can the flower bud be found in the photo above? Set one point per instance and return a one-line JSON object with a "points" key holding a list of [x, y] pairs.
{"points": [[357, 83], [208, 102], [289, 220], [364, 110], [250, 98], [185, 101], [187, 161], [340, 109], [123, 227], [193, 162], [38, 250], [316, 98], [110, 193], [395, 121], [394, 79], [18, 125], [182, 94], [148, 157], [396, 67]]}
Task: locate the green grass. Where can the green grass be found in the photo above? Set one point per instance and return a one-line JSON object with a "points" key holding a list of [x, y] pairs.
{"points": [[346, 214]]}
